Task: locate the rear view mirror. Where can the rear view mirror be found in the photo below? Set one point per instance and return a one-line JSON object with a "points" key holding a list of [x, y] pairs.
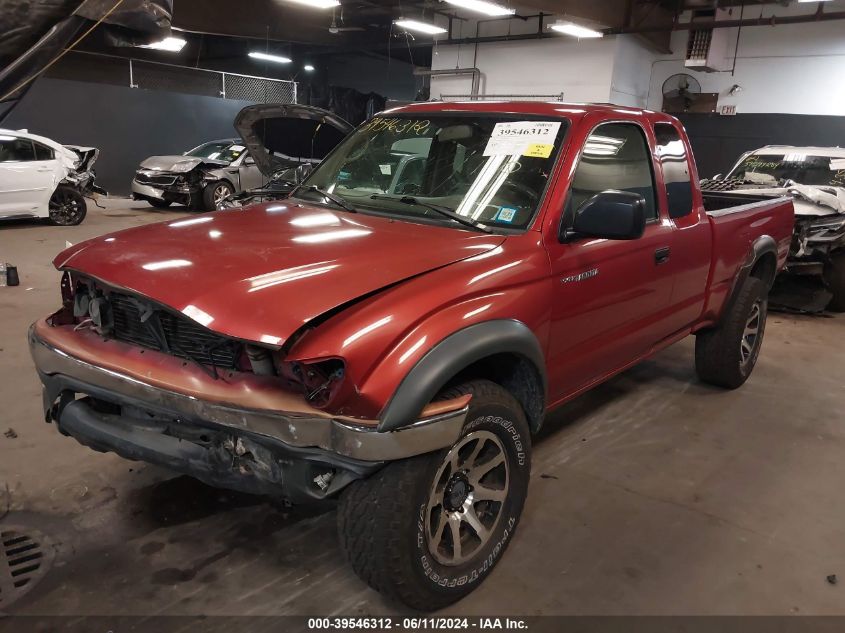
{"points": [[611, 215]]}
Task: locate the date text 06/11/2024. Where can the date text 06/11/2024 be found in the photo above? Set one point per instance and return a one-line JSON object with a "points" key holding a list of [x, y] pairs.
{"points": [[416, 624]]}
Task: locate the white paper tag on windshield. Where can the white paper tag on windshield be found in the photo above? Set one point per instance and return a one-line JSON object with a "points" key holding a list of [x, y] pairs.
{"points": [[237, 148], [837, 163], [794, 158], [523, 138]]}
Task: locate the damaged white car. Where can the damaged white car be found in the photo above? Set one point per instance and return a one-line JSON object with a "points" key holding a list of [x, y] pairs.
{"points": [[815, 178], [40, 178]]}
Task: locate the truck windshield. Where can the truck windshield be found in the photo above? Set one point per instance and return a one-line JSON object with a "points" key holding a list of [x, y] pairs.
{"points": [[804, 169], [491, 170], [225, 151]]}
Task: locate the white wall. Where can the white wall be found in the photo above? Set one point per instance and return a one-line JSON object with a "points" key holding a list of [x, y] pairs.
{"points": [[582, 70], [787, 69]]}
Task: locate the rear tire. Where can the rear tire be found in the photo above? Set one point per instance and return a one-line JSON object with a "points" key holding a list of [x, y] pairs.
{"points": [[396, 527], [67, 207], [214, 193], [726, 355], [834, 277]]}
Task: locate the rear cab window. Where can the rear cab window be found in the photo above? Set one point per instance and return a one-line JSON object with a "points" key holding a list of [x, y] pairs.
{"points": [[674, 163]]}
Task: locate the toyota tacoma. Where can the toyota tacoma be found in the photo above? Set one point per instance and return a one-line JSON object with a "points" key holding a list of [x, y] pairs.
{"points": [[394, 346]]}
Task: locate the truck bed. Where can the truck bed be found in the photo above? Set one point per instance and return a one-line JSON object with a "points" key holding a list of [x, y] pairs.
{"points": [[720, 202]]}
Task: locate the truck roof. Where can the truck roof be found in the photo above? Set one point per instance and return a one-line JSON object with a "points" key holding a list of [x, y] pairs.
{"points": [[542, 108]]}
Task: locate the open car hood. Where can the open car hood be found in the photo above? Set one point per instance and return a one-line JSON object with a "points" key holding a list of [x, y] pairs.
{"points": [[280, 136], [262, 273]]}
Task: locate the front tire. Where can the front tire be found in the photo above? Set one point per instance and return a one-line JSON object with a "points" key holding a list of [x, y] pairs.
{"points": [[426, 531], [726, 355], [215, 193], [834, 277], [67, 206]]}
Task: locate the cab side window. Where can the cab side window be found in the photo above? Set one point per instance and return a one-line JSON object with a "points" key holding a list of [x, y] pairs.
{"points": [[16, 150], [615, 156], [676, 170]]}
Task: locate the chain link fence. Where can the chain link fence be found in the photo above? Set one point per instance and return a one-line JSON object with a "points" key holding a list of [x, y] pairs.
{"points": [[134, 73]]}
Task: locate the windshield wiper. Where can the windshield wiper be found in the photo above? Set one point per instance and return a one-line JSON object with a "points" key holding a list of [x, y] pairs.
{"points": [[444, 211], [328, 196]]}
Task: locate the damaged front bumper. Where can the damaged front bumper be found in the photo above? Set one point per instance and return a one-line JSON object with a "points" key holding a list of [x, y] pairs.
{"points": [[296, 455], [164, 187]]}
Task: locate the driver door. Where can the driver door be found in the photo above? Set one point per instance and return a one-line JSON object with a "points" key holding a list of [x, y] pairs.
{"points": [[610, 296]]}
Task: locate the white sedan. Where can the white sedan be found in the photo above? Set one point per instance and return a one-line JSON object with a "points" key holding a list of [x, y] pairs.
{"points": [[40, 178]]}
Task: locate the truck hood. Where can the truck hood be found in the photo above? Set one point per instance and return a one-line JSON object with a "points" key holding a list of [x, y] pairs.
{"points": [[167, 163], [809, 200], [262, 273], [280, 136]]}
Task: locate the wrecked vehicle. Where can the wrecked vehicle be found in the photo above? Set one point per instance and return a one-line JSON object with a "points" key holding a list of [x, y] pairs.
{"points": [[201, 177], [815, 179], [40, 178], [286, 141], [397, 352]]}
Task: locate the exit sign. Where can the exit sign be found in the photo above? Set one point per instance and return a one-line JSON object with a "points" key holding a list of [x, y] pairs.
{"points": [[727, 110]]}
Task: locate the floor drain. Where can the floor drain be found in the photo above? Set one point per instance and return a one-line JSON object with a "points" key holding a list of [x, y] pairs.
{"points": [[24, 559]]}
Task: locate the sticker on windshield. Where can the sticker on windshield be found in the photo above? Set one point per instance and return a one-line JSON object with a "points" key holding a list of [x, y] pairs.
{"points": [[837, 164], [505, 214], [386, 170], [794, 158], [237, 148], [518, 137], [539, 150]]}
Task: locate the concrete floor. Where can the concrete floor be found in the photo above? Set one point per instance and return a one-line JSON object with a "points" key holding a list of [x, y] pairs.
{"points": [[654, 494]]}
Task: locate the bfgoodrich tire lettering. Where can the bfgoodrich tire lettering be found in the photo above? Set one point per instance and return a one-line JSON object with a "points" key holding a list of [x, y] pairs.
{"points": [[384, 522]]}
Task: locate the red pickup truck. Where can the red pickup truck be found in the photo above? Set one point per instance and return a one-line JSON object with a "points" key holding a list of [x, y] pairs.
{"points": [[392, 335]]}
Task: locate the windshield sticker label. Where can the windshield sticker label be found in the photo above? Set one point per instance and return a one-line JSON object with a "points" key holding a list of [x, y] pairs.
{"points": [[837, 164], [517, 138], [794, 158], [386, 170], [506, 214], [237, 148], [539, 150]]}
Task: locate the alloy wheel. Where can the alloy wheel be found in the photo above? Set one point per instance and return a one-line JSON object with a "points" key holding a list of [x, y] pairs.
{"points": [[466, 498], [751, 334], [65, 208]]}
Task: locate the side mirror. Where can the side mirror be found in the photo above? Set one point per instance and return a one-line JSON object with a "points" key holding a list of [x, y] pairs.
{"points": [[610, 215]]}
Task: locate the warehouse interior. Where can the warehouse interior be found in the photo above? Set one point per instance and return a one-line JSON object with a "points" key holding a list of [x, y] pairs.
{"points": [[648, 491]]}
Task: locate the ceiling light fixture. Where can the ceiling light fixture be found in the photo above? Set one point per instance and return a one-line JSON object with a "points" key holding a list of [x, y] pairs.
{"points": [[308, 68], [171, 44], [482, 6], [270, 58], [318, 4], [581, 32], [422, 27]]}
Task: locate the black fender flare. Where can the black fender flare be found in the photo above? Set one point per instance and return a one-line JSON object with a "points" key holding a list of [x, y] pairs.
{"points": [[763, 245], [454, 353]]}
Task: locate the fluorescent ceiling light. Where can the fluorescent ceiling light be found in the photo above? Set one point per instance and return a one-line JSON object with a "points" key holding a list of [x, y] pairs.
{"points": [[308, 68], [271, 58], [318, 4], [422, 27], [575, 30], [482, 6], [172, 44]]}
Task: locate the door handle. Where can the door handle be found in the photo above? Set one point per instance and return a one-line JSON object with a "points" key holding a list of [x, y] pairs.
{"points": [[661, 255]]}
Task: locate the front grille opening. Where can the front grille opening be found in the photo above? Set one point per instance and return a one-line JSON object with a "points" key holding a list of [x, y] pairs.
{"points": [[183, 337]]}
